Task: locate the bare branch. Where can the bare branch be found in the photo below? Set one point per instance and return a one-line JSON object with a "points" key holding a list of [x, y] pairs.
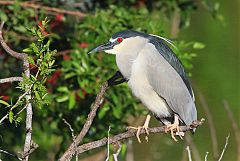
{"points": [[225, 146], [128, 134], [108, 145], [33, 147], [73, 136], [115, 155], [211, 126], [10, 154], [50, 10], [195, 152], [99, 99], [206, 156], [189, 153], [11, 79], [8, 49]]}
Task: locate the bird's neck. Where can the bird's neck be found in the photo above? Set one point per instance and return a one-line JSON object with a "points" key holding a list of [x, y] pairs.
{"points": [[124, 62]]}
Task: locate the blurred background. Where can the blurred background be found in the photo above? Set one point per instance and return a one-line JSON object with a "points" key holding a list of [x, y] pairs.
{"points": [[206, 33]]}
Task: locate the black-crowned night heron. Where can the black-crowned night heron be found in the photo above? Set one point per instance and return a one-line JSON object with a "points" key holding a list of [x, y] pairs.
{"points": [[155, 76]]}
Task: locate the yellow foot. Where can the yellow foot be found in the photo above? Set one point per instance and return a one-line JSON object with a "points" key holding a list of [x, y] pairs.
{"points": [[139, 128], [175, 127]]}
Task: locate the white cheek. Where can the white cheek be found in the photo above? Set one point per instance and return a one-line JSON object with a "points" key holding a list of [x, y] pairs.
{"points": [[111, 51]]}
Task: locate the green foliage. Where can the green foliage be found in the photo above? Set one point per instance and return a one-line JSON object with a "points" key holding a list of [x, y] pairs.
{"points": [[44, 59], [34, 86]]}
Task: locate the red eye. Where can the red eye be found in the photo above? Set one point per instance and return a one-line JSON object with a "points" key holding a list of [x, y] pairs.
{"points": [[119, 40]]}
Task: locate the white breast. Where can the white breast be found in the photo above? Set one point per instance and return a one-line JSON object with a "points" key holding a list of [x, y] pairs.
{"points": [[141, 88]]}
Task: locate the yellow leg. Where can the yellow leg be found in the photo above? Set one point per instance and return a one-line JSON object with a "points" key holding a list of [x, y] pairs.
{"points": [[145, 127], [174, 126]]}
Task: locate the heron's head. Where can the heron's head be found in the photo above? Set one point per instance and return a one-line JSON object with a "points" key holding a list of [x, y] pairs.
{"points": [[123, 42]]}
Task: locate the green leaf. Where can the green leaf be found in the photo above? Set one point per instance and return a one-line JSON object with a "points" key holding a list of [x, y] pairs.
{"points": [[10, 116], [4, 103], [198, 45], [27, 50], [63, 89], [37, 95], [20, 28], [72, 101], [30, 59], [62, 98]]}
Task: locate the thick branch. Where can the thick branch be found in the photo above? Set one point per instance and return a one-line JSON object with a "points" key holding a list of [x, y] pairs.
{"points": [[99, 99], [11, 79], [50, 10], [128, 134]]}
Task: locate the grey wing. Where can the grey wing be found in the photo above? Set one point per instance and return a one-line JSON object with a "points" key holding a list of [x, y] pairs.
{"points": [[172, 59], [168, 84]]}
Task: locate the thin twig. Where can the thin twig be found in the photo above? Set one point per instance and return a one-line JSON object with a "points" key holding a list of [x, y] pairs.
{"points": [[73, 136], [11, 79], [14, 106], [211, 125], [60, 53], [225, 146], [234, 126], [50, 10], [189, 153], [10, 154], [206, 156], [115, 155], [99, 99], [20, 111], [108, 145], [195, 153], [128, 134]]}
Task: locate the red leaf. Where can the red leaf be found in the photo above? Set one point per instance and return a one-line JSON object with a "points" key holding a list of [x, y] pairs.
{"points": [[5, 98], [59, 17], [66, 57], [83, 45]]}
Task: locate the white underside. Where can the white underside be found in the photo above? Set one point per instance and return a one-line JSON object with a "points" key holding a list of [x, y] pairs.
{"points": [[142, 89]]}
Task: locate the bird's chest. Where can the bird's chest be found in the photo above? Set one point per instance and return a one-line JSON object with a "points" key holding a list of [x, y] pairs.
{"points": [[138, 81]]}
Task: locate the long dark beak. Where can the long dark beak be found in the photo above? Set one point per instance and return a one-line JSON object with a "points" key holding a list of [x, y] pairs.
{"points": [[102, 47]]}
